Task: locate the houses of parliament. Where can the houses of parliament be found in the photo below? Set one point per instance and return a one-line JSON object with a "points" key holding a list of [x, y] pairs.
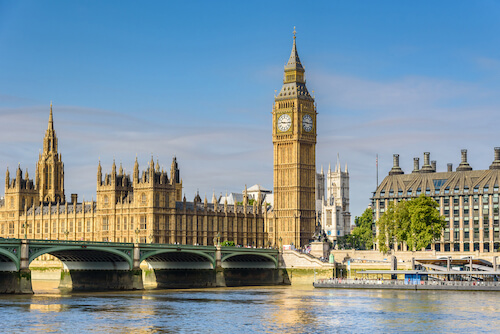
{"points": [[149, 206]]}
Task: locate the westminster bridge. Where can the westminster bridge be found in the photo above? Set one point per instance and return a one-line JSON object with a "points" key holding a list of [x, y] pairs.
{"points": [[89, 265]]}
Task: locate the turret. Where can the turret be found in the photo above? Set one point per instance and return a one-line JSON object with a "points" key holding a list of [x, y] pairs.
{"points": [[151, 170], [427, 167], [416, 165], [496, 162], [113, 173], [136, 171], [245, 196], [19, 176], [7, 178], [99, 174], [464, 165], [396, 170], [214, 201], [174, 171]]}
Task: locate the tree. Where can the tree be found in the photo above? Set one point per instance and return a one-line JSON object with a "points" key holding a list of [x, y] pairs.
{"points": [[416, 222], [363, 233], [227, 243], [425, 224]]}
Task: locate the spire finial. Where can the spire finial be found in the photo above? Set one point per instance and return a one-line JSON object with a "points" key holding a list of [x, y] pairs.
{"points": [[294, 32], [51, 120]]}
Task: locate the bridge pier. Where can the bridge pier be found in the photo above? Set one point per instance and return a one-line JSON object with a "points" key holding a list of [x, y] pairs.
{"points": [[220, 279], [18, 281]]}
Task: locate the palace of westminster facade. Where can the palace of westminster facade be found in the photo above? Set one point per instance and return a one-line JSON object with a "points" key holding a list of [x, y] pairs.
{"points": [[149, 207]]}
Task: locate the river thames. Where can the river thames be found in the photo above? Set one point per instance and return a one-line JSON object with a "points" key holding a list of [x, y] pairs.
{"points": [[296, 309]]}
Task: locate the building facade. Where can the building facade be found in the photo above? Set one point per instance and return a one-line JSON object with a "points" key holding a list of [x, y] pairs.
{"points": [[468, 199], [294, 142], [144, 207], [333, 209]]}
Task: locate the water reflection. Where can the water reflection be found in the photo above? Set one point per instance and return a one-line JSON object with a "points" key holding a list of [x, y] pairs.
{"points": [[297, 309]]}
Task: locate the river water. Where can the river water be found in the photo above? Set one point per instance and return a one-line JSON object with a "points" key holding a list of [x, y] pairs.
{"points": [[296, 309]]}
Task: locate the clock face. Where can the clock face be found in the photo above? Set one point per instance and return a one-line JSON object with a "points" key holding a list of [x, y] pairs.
{"points": [[307, 123], [284, 122]]}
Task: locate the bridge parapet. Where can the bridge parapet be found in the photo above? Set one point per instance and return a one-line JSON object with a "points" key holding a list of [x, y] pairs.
{"points": [[89, 265]]}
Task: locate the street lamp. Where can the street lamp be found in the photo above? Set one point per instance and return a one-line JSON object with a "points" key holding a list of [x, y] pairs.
{"points": [[151, 236], [25, 226], [66, 233], [280, 243], [137, 235]]}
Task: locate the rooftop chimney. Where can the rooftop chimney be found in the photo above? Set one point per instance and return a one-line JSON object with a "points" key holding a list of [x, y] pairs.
{"points": [[496, 162], [395, 168], [416, 167], [427, 168], [433, 164], [450, 168], [464, 165], [74, 198]]}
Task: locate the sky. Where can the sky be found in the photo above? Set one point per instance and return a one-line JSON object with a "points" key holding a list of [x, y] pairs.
{"points": [[196, 80]]}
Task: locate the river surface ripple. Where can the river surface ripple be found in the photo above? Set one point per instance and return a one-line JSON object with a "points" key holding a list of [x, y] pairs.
{"points": [[297, 309]]}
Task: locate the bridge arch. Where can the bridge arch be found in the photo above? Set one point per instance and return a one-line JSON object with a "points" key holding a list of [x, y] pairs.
{"points": [[175, 259], [248, 260], [8, 261], [87, 257]]}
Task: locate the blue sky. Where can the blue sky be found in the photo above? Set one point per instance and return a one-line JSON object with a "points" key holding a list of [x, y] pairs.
{"points": [[196, 79]]}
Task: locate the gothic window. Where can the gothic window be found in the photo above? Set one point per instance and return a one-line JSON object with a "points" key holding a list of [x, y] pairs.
{"points": [[105, 224], [124, 223], [89, 225], [117, 224], [131, 223], [50, 177], [71, 226], [143, 199], [143, 222], [157, 200], [80, 225], [106, 200]]}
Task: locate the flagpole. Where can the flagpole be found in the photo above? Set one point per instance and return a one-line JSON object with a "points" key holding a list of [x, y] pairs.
{"points": [[376, 164]]}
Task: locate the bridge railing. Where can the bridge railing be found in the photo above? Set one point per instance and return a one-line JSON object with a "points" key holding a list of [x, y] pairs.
{"points": [[340, 281], [80, 242]]}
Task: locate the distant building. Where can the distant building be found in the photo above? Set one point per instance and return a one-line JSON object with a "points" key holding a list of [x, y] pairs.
{"points": [[254, 193], [333, 207], [468, 199]]}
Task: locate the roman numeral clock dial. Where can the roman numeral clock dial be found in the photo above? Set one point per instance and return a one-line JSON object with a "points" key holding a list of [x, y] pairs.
{"points": [[307, 123], [284, 122]]}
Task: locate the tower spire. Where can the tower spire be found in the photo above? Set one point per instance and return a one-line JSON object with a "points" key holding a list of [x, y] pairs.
{"points": [[51, 119]]}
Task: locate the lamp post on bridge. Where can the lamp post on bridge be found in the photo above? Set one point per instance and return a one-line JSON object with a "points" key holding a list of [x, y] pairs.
{"points": [[25, 226], [66, 233], [151, 236], [137, 235]]}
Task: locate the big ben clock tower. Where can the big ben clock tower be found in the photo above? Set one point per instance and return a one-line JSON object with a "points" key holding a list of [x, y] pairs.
{"points": [[294, 141]]}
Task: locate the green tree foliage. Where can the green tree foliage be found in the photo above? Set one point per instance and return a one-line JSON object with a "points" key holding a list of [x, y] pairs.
{"points": [[363, 233], [227, 243], [415, 222]]}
